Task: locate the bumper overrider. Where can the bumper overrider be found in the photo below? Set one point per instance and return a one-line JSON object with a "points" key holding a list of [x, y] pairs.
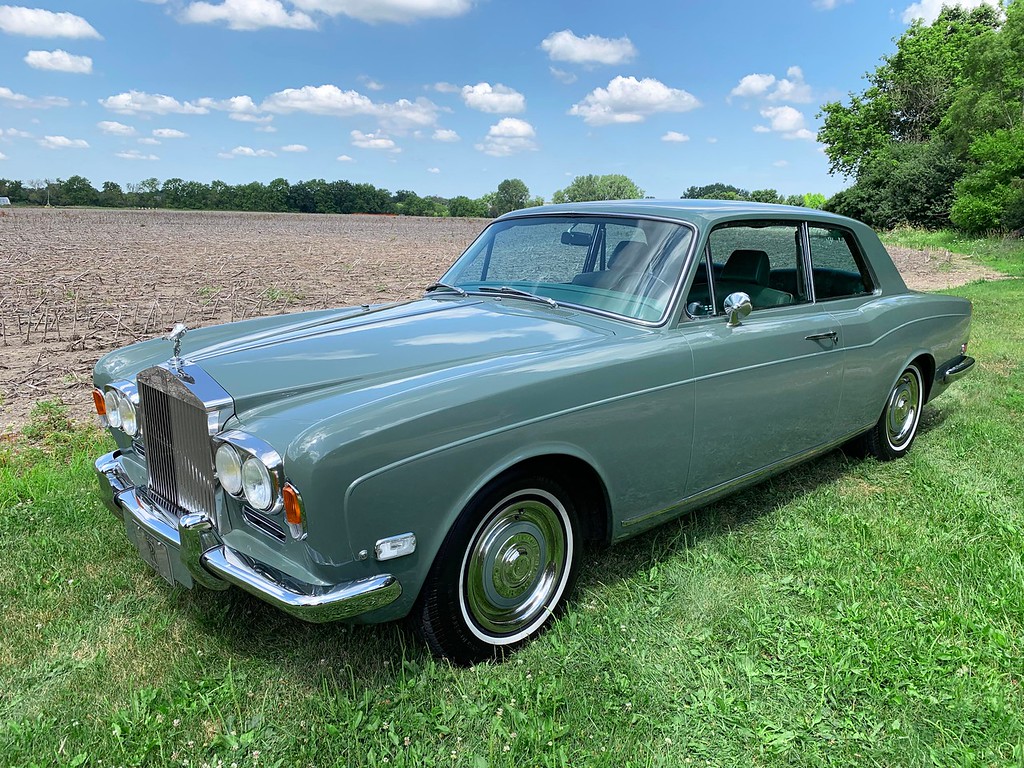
{"points": [[189, 550]]}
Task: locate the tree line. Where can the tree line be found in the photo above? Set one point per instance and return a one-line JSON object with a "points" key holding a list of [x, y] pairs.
{"points": [[320, 196], [937, 137]]}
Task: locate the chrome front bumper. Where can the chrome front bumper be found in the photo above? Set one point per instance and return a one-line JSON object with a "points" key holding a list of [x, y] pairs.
{"points": [[195, 553]]}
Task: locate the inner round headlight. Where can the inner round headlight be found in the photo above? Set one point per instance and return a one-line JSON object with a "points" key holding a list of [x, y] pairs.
{"points": [[259, 490], [229, 469], [127, 416], [112, 400]]}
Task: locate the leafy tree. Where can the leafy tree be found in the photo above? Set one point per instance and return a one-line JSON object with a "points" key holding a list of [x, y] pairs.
{"points": [[992, 195], [512, 195], [907, 184], [909, 92], [612, 186], [13, 190], [814, 200], [766, 196], [78, 191], [716, 191], [465, 207], [111, 196]]}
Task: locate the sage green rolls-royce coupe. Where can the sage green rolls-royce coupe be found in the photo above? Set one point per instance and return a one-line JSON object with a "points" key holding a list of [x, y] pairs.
{"points": [[581, 373]]}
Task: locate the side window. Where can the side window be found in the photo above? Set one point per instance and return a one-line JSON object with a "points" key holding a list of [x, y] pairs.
{"points": [[838, 267], [760, 258]]}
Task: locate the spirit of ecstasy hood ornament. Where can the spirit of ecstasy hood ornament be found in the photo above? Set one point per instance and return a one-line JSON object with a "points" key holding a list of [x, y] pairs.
{"points": [[175, 335]]}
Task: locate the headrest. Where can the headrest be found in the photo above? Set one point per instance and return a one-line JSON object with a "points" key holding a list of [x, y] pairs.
{"points": [[747, 266], [628, 255]]}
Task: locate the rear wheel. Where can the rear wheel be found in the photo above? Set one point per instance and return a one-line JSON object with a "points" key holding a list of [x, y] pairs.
{"points": [[505, 568], [896, 429]]}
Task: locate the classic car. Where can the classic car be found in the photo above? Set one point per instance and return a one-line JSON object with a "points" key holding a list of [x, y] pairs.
{"points": [[581, 373]]}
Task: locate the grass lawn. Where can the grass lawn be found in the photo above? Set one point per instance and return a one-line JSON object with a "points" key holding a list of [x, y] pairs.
{"points": [[846, 612]]}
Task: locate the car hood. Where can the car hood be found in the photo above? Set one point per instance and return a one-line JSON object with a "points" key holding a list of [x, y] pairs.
{"points": [[347, 351]]}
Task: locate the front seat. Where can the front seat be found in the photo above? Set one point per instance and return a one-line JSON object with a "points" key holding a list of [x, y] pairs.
{"points": [[749, 271]]}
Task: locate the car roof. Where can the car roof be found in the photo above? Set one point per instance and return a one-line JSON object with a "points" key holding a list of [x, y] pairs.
{"points": [[698, 212]]}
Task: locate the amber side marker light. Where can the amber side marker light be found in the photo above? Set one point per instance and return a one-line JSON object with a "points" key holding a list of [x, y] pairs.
{"points": [[292, 505], [99, 402]]}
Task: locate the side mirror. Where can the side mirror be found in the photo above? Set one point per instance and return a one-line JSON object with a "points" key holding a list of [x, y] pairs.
{"points": [[737, 306]]}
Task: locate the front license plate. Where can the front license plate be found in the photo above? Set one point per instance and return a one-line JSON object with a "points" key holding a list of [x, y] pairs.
{"points": [[154, 552]]}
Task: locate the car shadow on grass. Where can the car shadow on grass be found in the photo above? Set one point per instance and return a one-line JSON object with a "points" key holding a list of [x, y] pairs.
{"points": [[375, 655]]}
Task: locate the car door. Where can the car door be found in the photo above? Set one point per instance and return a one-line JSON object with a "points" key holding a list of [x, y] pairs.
{"points": [[766, 390]]}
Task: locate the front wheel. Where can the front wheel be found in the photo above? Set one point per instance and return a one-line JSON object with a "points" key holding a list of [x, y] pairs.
{"points": [[896, 429], [506, 567]]}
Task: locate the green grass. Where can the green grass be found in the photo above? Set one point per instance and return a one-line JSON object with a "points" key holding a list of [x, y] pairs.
{"points": [[846, 612], [1005, 254]]}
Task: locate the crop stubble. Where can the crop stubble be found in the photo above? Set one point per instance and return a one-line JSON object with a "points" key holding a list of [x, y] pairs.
{"points": [[77, 283]]}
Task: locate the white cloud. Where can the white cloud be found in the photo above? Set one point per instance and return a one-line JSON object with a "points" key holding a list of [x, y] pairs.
{"points": [[59, 61], [495, 99], [35, 22], [375, 140], [115, 129], [21, 101], [566, 46], [675, 136], [445, 134], [712, 139], [792, 88], [753, 85], [433, 170], [829, 5], [370, 83], [246, 152], [786, 120], [242, 105], [402, 11], [15, 133], [445, 87], [149, 142], [345, 159], [762, 129], [508, 136], [62, 142], [266, 129], [562, 76], [331, 100], [243, 117], [628, 100], [134, 154], [169, 133], [247, 15], [134, 102], [3, 156], [929, 10], [781, 163], [295, 148]]}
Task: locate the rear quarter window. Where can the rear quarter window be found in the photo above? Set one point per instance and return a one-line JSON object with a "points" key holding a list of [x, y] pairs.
{"points": [[837, 265]]}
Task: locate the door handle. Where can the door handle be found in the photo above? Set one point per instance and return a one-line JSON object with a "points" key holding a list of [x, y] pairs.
{"points": [[827, 335]]}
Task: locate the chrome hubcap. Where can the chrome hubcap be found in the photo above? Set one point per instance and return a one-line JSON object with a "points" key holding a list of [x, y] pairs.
{"points": [[903, 410], [516, 566]]}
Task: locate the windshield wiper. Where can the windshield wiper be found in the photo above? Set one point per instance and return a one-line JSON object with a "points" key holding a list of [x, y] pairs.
{"points": [[446, 287], [518, 292]]}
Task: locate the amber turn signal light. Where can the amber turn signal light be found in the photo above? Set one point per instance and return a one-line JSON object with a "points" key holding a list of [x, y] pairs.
{"points": [[292, 505], [99, 402]]}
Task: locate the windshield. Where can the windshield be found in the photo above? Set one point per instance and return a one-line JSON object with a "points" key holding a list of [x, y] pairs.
{"points": [[624, 266]]}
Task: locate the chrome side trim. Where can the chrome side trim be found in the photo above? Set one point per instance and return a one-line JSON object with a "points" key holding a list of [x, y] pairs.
{"points": [[194, 542], [957, 369]]}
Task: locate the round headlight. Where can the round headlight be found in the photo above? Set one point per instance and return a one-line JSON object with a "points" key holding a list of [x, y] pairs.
{"points": [[259, 490], [112, 399], [229, 469], [126, 415]]}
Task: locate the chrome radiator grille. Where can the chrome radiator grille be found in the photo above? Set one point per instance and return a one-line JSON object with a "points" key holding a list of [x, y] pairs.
{"points": [[177, 444]]}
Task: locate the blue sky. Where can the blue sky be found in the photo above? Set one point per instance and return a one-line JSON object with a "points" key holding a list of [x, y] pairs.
{"points": [[441, 97]]}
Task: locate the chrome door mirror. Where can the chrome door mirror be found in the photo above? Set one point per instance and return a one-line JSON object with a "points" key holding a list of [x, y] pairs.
{"points": [[737, 306]]}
